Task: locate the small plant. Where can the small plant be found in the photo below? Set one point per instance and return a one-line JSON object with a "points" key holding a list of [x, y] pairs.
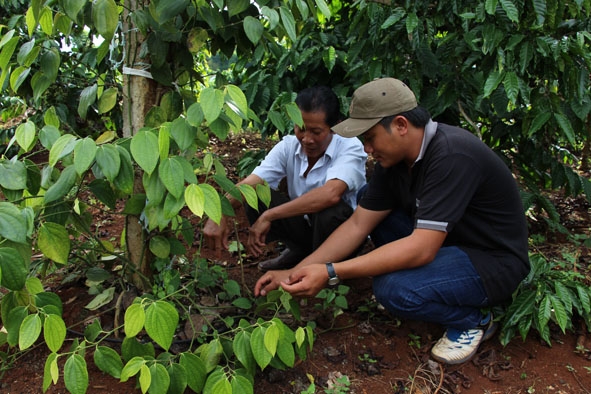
{"points": [[367, 358], [552, 292], [339, 385], [333, 299], [415, 340]]}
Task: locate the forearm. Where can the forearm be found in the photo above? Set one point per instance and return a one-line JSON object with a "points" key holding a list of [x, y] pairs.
{"points": [[313, 201]]}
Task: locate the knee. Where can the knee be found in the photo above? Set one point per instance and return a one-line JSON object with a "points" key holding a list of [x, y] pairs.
{"points": [[395, 296]]}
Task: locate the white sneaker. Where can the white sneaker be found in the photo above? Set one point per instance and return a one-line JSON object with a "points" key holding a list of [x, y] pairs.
{"points": [[456, 346]]}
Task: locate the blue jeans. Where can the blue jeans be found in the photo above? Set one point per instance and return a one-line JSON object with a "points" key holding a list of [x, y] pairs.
{"points": [[447, 291]]}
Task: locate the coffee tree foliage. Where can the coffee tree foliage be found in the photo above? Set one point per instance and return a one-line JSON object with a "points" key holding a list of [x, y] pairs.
{"points": [[516, 73]]}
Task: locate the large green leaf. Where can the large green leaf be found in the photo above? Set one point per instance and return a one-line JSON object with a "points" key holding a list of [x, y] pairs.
{"points": [[29, 331], [170, 172], [13, 269], [25, 135], [54, 242], [107, 100], [182, 133], [198, 373], [159, 379], [84, 154], [213, 205], [253, 29], [243, 351], [105, 15], [161, 322], [13, 175], [259, 351], [164, 10], [87, 98], [54, 332], [108, 160], [62, 186], [108, 361], [195, 200], [73, 7], [76, 374], [144, 149], [62, 147], [288, 22], [134, 320], [178, 378], [212, 102]]}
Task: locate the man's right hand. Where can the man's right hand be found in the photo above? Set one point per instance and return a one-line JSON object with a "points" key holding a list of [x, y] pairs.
{"points": [[216, 236], [271, 280]]}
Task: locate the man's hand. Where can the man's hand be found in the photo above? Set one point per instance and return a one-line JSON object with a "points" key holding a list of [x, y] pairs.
{"points": [[270, 281], [216, 236], [306, 281], [257, 235]]}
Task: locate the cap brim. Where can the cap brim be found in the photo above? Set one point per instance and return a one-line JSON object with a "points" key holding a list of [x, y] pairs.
{"points": [[353, 127]]}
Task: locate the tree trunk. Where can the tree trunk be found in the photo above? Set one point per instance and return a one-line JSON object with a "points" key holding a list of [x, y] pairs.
{"points": [[139, 96]]}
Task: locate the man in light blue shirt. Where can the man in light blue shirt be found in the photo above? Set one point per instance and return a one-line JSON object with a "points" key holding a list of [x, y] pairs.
{"points": [[324, 172]]}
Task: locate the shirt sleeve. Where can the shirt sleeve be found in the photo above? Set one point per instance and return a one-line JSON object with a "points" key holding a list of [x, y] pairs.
{"points": [[273, 168], [348, 163]]}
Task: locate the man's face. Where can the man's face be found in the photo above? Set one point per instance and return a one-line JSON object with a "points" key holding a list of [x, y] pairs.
{"points": [[315, 135], [384, 145]]}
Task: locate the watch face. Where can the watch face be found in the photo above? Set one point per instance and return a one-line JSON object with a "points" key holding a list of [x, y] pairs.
{"points": [[334, 281]]}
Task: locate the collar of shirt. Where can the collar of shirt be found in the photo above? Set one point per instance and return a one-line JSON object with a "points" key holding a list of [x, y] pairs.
{"points": [[430, 130], [328, 154]]}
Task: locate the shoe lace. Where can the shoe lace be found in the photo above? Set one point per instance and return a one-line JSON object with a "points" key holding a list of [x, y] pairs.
{"points": [[462, 337]]}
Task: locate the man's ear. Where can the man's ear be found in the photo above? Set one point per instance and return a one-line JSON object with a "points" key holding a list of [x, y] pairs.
{"points": [[400, 124]]}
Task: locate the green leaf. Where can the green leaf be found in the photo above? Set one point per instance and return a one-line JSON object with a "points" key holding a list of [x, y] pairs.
{"points": [[84, 154], [101, 299], [560, 313], [286, 353], [135, 318], [212, 102], [62, 147], [253, 29], [62, 186], [235, 7], [105, 15], [178, 378], [76, 374], [492, 82], [108, 361], [29, 331], [259, 351], [510, 9], [195, 115], [161, 322], [213, 205], [243, 351], [491, 6], [566, 127], [50, 371], [25, 135], [250, 195], [87, 98], [108, 160], [107, 101], [126, 176], [271, 339], [73, 7], [169, 171], [238, 100], [511, 84], [159, 379], [160, 246], [294, 113], [132, 367], [195, 199], [412, 22], [54, 242], [144, 149], [198, 373], [288, 22], [13, 175], [211, 354], [538, 122], [323, 7], [165, 10], [54, 332], [182, 133]]}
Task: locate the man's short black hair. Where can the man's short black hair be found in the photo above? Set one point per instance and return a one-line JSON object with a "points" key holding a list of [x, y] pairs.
{"points": [[418, 117], [320, 98]]}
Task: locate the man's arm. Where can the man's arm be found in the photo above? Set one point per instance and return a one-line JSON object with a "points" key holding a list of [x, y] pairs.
{"points": [[417, 249], [341, 244]]}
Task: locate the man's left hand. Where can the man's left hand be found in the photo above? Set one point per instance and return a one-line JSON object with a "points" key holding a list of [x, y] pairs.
{"points": [[306, 281]]}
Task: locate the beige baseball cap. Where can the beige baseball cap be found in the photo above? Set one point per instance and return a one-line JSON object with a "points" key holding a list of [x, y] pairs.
{"points": [[374, 101]]}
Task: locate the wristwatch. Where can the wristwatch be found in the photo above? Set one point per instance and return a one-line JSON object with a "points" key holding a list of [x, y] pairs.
{"points": [[333, 278]]}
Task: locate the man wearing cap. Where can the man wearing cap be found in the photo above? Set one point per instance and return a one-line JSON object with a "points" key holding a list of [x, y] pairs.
{"points": [[444, 213]]}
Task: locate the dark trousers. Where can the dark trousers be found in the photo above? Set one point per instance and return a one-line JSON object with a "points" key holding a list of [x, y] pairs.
{"points": [[297, 232]]}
